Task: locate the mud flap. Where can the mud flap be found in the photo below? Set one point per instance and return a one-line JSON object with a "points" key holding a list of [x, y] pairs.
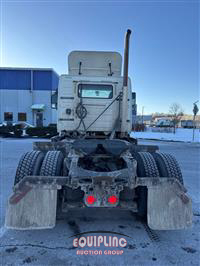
{"points": [[168, 207], [36, 210]]}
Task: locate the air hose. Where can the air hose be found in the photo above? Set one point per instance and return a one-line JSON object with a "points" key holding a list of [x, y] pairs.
{"points": [[81, 112]]}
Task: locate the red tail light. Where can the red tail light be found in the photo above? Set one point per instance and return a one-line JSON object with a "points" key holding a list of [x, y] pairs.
{"points": [[90, 199], [112, 199]]}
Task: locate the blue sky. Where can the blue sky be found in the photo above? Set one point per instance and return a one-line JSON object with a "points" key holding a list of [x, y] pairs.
{"points": [[164, 54]]}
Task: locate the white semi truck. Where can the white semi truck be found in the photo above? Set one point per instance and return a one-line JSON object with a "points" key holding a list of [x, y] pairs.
{"points": [[93, 162]]}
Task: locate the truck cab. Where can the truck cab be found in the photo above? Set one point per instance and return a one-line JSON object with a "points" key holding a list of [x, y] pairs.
{"points": [[89, 96]]}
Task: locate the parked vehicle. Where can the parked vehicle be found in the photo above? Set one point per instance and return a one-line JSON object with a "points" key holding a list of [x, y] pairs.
{"points": [[187, 123], [10, 130], [164, 123]]}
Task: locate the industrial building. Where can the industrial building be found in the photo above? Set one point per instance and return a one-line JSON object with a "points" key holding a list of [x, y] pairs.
{"points": [[25, 95]]}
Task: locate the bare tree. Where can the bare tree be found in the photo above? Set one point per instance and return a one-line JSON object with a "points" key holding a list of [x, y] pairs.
{"points": [[176, 112]]}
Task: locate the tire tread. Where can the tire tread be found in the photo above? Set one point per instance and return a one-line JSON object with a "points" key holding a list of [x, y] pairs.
{"points": [[26, 165], [172, 166], [49, 165]]}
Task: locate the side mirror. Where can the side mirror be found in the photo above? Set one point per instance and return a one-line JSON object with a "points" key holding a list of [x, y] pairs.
{"points": [[54, 100]]}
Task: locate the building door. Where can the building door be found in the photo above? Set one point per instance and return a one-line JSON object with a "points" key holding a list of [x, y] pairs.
{"points": [[39, 119]]}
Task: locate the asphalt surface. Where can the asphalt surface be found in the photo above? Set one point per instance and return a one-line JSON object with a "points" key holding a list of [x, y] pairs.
{"points": [[54, 247]]}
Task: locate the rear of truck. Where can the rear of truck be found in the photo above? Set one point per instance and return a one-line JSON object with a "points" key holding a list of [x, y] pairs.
{"points": [[94, 163]]}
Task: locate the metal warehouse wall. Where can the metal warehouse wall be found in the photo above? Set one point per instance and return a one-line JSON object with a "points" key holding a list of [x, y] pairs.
{"points": [[15, 79], [21, 79], [16, 95]]}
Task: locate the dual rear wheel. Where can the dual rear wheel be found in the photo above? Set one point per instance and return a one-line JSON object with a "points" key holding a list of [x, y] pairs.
{"points": [[38, 163], [154, 165], [148, 165]]}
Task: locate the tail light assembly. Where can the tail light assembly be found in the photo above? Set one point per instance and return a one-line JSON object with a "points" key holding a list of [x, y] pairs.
{"points": [[91, 199], [113, 200]]}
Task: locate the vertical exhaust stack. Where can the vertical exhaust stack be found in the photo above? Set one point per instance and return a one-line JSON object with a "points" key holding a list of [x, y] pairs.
{"points": [[124, 109], [126, 57]]}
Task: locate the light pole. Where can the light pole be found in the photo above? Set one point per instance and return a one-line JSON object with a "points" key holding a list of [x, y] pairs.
{"points": [[195, 111], [142, 114]]}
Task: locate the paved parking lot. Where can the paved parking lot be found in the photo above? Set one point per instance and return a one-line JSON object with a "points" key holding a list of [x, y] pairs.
{"points": [[53, 247]]}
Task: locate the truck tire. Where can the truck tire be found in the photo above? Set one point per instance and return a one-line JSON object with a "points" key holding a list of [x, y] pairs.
{"points": [[29, 164], [146, 167], [52, 164], [168, 166]]}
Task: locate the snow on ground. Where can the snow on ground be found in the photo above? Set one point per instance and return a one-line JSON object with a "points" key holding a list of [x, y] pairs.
{"points": [[182, 134]]}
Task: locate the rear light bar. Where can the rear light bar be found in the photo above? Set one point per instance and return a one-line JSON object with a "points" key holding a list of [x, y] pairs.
{"points": [[106, 201]]}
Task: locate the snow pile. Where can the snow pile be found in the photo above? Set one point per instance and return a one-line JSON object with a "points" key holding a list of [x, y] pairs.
{"points": [[182, 134]]}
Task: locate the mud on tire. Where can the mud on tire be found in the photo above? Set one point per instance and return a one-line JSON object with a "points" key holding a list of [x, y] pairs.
{"points": [[29, 164], [168, 166]]}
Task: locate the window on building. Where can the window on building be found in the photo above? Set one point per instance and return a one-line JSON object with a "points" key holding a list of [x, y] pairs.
{"points": [[8, 116], [21, 116]]}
